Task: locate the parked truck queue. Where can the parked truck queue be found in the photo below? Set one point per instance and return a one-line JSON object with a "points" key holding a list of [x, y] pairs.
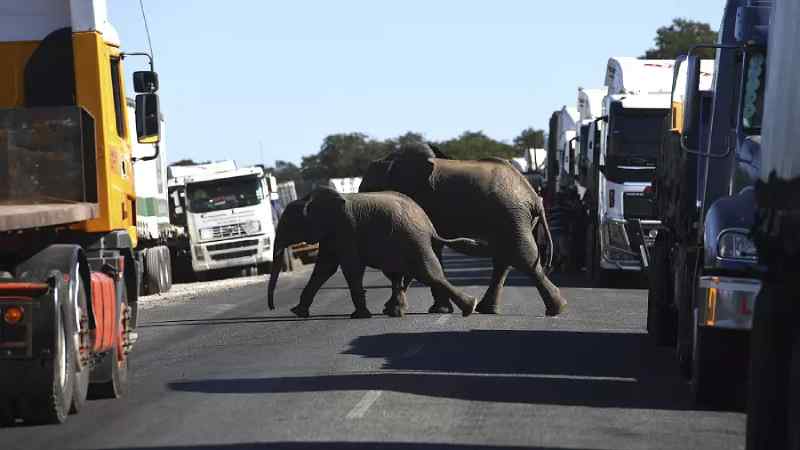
{"points": [[661, 168]]}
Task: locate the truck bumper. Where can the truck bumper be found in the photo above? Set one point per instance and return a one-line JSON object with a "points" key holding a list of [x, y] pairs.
{"points": [[727, 302], [232, 253], [23, 377], [626, 244]]}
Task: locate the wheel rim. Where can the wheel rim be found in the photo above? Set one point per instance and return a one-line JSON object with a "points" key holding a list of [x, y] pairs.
{"points": [[61, 354]]}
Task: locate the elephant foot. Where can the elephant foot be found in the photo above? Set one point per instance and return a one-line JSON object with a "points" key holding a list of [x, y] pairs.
{"points": [[394, 311], [300, 311], [361, 314], [440, 309], [486, 307], [470, 303], [557, 306]]}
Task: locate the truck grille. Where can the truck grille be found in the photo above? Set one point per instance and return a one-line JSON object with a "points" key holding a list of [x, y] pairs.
{"points": [[230, 245], [227, 231], [636, 205], [233, 255]]}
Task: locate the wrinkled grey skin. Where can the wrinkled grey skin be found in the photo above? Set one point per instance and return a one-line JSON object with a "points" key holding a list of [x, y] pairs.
{"points": [[384, 230], [487, 200]]}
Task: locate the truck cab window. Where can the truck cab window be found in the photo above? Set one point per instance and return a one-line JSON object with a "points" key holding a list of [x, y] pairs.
{"points": [[224, 194], [116, 86], [753, 102]]}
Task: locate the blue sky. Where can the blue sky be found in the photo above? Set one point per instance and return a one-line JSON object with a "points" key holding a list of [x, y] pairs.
{"points": [[237, 76]]}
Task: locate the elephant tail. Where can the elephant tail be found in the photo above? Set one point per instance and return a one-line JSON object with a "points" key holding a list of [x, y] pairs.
{"points": [[463, 245], [542, 220]]}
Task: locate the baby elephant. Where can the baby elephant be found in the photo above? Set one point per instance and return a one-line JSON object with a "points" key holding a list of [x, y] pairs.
{"points": [[384, 230]]}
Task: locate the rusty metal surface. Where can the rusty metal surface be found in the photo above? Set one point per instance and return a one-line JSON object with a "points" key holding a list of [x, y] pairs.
{"points": [[41, 156]]}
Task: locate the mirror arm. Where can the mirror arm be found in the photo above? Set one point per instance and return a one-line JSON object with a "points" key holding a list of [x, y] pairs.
{"points": [[685, 146], [145, 54], [149, 158]]}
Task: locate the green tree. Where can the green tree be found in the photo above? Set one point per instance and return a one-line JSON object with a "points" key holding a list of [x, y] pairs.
{"points": [[188, 162], [529, 138], [343, 155], [287, 171], [676, 39], [476, 145]]}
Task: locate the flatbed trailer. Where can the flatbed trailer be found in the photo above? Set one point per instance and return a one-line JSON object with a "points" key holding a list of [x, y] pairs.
{"points": [[16, 217]]}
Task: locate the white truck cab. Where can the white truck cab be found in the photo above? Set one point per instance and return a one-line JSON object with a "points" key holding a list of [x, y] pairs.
{"points": [[634, 110], [228, 216]]}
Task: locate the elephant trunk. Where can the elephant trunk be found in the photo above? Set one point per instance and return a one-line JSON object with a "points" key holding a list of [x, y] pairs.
{"points": [[277, 263]]}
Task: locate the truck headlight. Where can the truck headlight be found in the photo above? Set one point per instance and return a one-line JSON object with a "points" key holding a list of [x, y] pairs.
{"points": [[199, 255], [736, 245], [252, 227], [206, 234]]}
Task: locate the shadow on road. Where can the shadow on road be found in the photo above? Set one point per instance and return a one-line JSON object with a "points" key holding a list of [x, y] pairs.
{"points": [[322, 445], [471, 271], [610, 370]]}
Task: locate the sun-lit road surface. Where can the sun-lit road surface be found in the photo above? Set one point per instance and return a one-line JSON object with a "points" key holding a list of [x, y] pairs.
{"points": [[223, 372]]}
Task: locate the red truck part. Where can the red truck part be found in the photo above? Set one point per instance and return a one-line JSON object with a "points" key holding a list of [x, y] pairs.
{"points": [[104, 311]]}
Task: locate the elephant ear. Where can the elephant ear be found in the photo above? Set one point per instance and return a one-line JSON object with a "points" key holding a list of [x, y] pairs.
{"points": [[322, 209], [412, 177], [378, 176]]}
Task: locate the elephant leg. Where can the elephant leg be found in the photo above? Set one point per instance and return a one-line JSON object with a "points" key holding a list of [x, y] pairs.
{"points": [[392, 302], [441, 297], [325, 267], [434, 277], [526, 259], [491, 299], [353, 271], [396, 306]]}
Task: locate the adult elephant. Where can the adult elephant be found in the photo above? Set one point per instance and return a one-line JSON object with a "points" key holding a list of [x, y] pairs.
{"points": [[487, 200]]}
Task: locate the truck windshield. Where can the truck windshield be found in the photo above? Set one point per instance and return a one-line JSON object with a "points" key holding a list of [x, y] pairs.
{"points": [[635, 138], [753, 99], [228, 193]]}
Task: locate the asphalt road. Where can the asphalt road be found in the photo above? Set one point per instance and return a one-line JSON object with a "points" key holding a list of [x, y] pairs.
{"points": [[223, 372]]}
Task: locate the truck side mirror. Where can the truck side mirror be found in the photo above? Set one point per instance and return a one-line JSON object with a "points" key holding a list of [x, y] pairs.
{"points": [[148, 119], [691, 112], [145, 82]]}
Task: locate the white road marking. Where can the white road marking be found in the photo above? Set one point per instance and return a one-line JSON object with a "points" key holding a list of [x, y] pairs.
{"points": [[442, 319], [363, 405], [413, 351]]}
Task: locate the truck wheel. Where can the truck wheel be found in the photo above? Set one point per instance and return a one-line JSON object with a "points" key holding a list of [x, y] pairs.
{"points": [[682, 299], [54, 405], [115, 361], [81, 386], [153, 272], [599, 276], [167, 265], [708, 388], [661, 324]]}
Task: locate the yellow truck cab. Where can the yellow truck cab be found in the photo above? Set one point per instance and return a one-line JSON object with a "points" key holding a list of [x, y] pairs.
{"points": [[68, 275]]}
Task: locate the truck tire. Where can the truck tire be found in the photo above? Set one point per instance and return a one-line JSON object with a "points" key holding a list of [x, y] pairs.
{"points": [[166, 261], [81, 385], [598, 277], [682, 299], [115, 361], [661, 319], [708, 386], [152, 271], [53, 406]]}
